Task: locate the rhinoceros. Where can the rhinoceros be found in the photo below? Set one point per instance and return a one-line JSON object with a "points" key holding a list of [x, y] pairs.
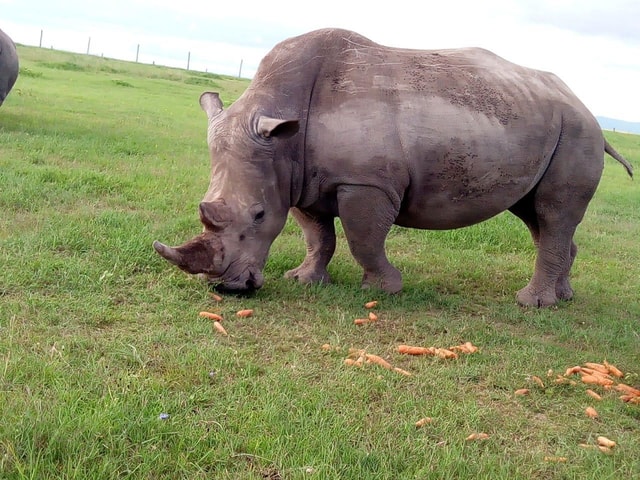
{"points": [[8, 65], [335, 125]]}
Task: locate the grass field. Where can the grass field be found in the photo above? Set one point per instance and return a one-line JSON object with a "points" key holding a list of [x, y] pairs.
{"points": [[108, 372]]}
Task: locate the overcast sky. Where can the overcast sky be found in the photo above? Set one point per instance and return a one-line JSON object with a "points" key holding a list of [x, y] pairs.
{"points": [[593, 45]]}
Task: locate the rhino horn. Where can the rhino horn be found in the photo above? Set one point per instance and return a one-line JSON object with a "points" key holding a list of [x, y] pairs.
{"points": [[169, 253]]}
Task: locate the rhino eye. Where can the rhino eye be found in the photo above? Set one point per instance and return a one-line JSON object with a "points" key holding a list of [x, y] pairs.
{"points": [[259, 216]]}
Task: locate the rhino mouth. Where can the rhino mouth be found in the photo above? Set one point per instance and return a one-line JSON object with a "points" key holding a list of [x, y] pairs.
{"points": [[246, 282]]}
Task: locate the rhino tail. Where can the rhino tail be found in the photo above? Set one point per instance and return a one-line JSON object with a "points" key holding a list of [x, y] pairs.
{"points": [[612, 151]]}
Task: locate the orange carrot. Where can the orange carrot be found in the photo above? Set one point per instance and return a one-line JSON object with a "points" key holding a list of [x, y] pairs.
{"points": [[598, 367], [605, 442], [423, 421], [218, 326], [630, 399], [372, 304], [613, 370], [521, 391], [537, 380], [410, 350], [216, 297], [624, 388], [371, 358], [402, 372], [244, 313], [593, 395], [373, 317], [555, 459], [572, 370], [212, 316], [591, 412], [444, 353], [596, 380], [477, 436], [362, 321], [594, 372]]}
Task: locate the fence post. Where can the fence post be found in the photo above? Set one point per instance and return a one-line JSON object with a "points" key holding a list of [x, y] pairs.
{"points": [[137, 53], [88, 45], [240, 71], [41, 33], [188, 60]]}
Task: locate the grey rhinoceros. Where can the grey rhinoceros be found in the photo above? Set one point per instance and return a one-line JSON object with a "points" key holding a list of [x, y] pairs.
{"points": [[8, 65], [335, 125]]}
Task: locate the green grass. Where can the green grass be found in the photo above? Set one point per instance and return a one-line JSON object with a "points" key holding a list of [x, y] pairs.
{"points": [[99, 336]]}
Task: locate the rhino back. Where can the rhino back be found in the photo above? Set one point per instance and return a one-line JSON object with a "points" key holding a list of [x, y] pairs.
{"points": [[8, 65]]}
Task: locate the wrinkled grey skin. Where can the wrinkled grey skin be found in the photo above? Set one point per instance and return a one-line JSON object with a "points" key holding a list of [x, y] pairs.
{"points": [[8, 65], [334, 125]]}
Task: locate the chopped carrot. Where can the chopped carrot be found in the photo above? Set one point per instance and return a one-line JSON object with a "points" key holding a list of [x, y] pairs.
{"points": [[363, 321], [372, 304], [326, 347], [521, 391], [596, 380], [423, 421], [373, 317], [349, 361], [537, 380], [591, 412], [594, 372], [604, 449], [572, 370], [218, 326], [444, 353], [624, 388], [244, 313], [212, 316], [593, 395], [477, 436], [371, 358], [410, 350], [630, 399], [605, 442], [402, 372], [613, 370], [597, 367], [216, 297]]}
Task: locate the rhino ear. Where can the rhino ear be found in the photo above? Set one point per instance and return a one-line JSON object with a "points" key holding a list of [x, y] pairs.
{"points": [[211, 103], [214, 215], [276, 127]]}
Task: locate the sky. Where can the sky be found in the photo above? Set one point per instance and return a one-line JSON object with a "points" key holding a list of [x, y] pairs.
{"points": [[593, 45]]}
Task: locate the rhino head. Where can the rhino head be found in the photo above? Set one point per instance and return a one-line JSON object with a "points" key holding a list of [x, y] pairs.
{"points": [[246, 205]]}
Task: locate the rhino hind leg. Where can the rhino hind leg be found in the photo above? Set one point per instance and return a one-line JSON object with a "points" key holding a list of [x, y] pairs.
{"points": [[320, 239], [367, 215]]}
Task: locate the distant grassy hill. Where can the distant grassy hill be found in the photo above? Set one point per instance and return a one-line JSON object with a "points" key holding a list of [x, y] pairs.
{"points": [[619, 125]]}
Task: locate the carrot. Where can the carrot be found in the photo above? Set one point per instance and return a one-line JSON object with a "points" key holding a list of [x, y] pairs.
{"points": [[372, 304], [326, 347], [410, 350], [362, 321], [244, 313], [594, 372], [373, 317], [212, 316], [423, 421], [597, 367], [444, 353], [402, 372], [371, 358], [477, 436], [613, 370], [218, 326], [537, 380], [630, 399], [572, 370], [604, 449], [593, 395], [350, 362], [605, 442], [216, 297], [591, 412], [521, 391], [596, 380], [624, 388]]}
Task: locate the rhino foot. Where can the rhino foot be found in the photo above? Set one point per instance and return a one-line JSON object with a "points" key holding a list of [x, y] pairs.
{"points": [[390, 281], [306, 275], [564, 290]]}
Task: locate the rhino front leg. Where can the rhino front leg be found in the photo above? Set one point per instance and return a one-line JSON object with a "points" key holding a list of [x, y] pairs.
{"points": [[367, 214], [320, 238]]}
